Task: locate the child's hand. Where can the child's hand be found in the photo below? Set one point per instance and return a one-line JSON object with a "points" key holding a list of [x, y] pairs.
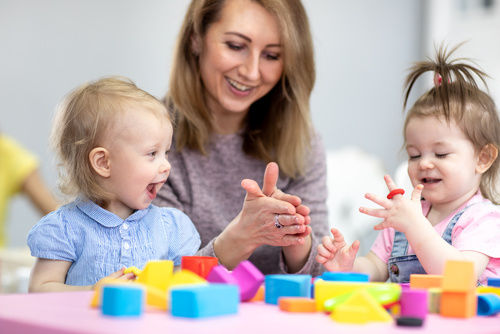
{"points": [[398, 212], [334, 253], [121, 275]]}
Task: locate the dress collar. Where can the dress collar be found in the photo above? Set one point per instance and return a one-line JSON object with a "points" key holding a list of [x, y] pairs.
{"points": [[105, 217]]}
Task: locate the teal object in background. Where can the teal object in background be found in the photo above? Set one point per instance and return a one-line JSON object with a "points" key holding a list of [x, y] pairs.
{"points": [[344, 276], [277, 286], [201, 301], [122, 300]]}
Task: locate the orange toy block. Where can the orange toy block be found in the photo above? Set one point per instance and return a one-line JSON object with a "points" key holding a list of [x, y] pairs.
{"points": [[458, 304], [459, 276], [259, 295], [297, 304], [418, 281]]}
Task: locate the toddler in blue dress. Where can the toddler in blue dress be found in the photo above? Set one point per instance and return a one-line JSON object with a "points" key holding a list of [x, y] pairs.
{"points": [[112, 139]]}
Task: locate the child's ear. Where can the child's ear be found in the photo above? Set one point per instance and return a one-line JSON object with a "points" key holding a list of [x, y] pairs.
{"points": [[196, 44], [486, 158], [99, 159]]}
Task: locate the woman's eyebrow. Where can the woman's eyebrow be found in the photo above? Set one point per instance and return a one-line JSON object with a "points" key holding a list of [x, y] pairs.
{"points": [[248, 38]]}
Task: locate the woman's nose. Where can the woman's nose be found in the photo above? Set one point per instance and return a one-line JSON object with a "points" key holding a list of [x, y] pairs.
{"points": [[250, 67]]}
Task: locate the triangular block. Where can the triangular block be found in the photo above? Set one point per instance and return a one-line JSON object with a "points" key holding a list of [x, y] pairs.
{"points": [[360, 307]]}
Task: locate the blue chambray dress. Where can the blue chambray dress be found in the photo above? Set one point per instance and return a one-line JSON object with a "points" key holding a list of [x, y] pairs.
{"points": [[98, 242]]}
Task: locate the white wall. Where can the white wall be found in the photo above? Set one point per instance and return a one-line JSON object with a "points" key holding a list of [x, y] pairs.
{"points": [[48, 47]]}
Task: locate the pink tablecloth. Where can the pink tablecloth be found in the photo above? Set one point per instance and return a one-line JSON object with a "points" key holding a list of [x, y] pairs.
{"points": [[70, 313]]}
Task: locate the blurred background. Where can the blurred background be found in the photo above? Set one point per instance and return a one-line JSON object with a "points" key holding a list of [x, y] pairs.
{"points": [[363, 49]]}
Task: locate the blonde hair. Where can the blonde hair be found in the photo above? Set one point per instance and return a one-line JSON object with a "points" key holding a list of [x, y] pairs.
{"points": [[278, 126], [456, 96], [81, 120]]}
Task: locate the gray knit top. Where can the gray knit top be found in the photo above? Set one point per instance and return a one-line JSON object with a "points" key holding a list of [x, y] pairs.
{"points": [[207, 188]]}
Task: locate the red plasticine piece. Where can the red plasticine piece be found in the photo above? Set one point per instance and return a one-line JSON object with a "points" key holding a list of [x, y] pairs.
{"points": [[395, 192]]}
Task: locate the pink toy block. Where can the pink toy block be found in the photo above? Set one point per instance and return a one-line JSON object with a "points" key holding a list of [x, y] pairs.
{"points": [[245, 275], [414, 303]]}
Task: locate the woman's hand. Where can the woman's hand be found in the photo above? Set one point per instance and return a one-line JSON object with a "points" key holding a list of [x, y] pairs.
{"points": [[257, 224], [399, 212]]}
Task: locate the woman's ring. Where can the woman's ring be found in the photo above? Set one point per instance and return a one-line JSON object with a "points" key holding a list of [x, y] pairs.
{"points": [[276, 221]]}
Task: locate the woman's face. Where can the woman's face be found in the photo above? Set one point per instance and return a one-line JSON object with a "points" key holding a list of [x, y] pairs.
{"points": [[241, 58]]}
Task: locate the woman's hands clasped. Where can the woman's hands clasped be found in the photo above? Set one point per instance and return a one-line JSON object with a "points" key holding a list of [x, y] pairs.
{"points": [[271, 217]]}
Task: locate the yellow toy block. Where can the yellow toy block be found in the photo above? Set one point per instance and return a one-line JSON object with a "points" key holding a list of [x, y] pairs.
{"points": [[157, 274], [134, 270], [156, 297], [418, 281], [434, 300], [297, 304], [458, 304], [96, 298], [324, 290], [360, 308], [459, 276], [185, 277], [488, 289]]}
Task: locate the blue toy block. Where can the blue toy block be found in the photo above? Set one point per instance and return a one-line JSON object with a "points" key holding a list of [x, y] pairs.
{"points": [[494, 281], [488, 304], [277, 286], [345, 277], [122, 300], [200, 301]]}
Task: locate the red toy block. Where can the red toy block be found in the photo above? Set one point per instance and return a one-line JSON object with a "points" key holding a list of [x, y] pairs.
{"points": [[200, 265]]}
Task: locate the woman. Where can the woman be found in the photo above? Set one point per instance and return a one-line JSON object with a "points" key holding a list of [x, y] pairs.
{"points": [[240, 84]]}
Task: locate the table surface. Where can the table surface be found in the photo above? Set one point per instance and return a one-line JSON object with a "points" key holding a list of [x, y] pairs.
{"points": [[69, 312]]}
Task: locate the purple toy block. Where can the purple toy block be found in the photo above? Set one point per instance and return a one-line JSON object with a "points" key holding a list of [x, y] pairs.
{"points": [[245, 275], [219, 274], [414, 303], [249, 279]]}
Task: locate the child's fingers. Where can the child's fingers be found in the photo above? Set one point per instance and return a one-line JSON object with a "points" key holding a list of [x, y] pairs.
{"points": [[389, 182], [327, 243], [382, 201], [353, 250], [416, 194], [322, 251], [379, 213]]}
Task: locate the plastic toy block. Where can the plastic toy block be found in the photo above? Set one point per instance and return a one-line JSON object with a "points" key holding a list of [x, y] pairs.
{"points": [[245, 275], [488, 289], [157, 274], [359, 308], [259, 295], [297, 304], [418, 281], [414, 303], [201, 301], [488, 304], [122, 300], [458, 304], [286, 286], [494, 281], [324, 290], [345, 277], [384, 294], [134, 270], [185, 277], [249, 279], [434, 300], [156, 297], [96, 298], [459, 276], [200, 265]]}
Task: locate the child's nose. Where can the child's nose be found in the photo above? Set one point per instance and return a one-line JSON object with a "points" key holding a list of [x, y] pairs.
{"points": [[165, 166], [426, 163]]}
